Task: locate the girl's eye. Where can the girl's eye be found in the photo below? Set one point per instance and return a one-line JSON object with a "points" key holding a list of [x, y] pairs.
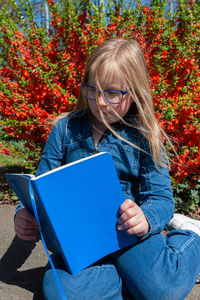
{"points": [[89, 91], [113, 96]]}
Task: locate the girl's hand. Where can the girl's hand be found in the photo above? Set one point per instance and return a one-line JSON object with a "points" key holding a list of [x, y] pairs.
{"points": [[132, 219], [26, 227]]}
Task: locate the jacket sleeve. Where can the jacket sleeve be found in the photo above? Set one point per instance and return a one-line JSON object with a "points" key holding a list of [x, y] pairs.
{"points": [[155, 194], [53, 150]]}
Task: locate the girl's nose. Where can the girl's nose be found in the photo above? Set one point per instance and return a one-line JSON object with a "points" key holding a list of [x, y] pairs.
{"points": [[101, 100]]}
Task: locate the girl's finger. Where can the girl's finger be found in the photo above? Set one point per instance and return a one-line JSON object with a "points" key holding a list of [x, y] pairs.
{"points": [[24, 229], [23, 213], [138, 230], [25, 224], [128, 214], [26, 237], [26, 215], [125, 205], [128, 224]]}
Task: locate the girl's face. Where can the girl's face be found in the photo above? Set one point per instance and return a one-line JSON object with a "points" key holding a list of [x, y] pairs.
{"points": [[109, 83]]}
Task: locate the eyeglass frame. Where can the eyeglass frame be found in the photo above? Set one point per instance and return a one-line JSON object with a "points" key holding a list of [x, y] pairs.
{"points": [[123, 93]]}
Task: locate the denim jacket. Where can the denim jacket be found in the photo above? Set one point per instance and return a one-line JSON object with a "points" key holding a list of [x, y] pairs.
{"points": [[140, 180]]}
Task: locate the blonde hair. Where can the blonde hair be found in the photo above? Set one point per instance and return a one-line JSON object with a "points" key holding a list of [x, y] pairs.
{"points": [[124, 59]]}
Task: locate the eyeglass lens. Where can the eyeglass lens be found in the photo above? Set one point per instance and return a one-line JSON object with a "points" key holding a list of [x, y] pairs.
{"points": [[111, 96]]}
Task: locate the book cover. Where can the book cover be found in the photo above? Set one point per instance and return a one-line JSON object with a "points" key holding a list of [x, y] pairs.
{"points": [[78, 207]]}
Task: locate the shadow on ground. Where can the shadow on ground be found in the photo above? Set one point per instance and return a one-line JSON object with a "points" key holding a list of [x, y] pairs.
{"points": [[13, 259]]}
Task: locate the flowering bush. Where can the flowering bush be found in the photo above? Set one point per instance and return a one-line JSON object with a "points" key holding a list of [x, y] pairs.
{"points": [[40, 73]]}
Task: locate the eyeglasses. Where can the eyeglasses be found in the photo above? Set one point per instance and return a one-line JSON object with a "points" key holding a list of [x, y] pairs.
{"points": [[112, 96]]}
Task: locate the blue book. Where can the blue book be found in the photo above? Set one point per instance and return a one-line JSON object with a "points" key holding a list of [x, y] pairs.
{"points": [[78, 207]]}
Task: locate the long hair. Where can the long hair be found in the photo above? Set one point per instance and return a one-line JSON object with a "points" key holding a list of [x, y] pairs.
{"points": [[124, 59]]}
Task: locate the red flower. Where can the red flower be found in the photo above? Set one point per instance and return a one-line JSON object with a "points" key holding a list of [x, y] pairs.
{"points": [[164, 54], [5, 151], [36, 42], [145, 10]]}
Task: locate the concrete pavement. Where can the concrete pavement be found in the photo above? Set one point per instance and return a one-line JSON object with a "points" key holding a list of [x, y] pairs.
{"points": [[23, 263]]}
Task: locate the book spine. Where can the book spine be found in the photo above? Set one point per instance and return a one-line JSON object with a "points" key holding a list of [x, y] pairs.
{"points": [[48, 231], [43, 241]]}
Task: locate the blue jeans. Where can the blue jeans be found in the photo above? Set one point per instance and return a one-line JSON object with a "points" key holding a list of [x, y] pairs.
{"points": [[157, 268]]}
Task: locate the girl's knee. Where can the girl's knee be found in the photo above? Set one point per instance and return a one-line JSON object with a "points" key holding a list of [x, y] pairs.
{"points": [[159, 286], [97, 282]]}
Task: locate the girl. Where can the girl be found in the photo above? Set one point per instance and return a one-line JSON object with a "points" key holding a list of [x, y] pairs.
{"points": [[115, 114]]}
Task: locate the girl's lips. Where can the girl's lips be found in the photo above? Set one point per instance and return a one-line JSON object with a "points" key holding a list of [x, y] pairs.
{"points": [[104, 112]]}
